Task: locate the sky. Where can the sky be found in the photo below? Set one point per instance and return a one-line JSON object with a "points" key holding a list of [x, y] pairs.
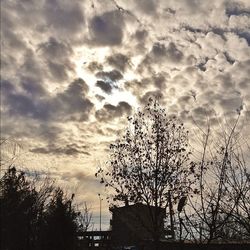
{"points": [[72, 71]]}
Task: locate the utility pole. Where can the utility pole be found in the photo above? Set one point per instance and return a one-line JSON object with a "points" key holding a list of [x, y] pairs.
{"points": [[100, 199], [171, 213]]}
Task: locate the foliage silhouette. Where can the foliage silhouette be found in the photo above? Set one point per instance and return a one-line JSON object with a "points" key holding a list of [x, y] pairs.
{"points": [[60, 227], [37, 218], [19, 211]]}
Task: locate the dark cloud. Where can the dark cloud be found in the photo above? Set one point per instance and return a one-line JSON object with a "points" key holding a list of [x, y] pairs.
{"points": [[81, 176], [32, 66], [244, 84], [236, 9], [201, 112], [231, 104], [22, 104], [224, 82], [184, 115], [20, 127], [107, 29], [6, 87], [54, 49], [222, 32], [173, 54], [195, 30], [159, 81], [48, 132], [65, 18], [95, 66], [109, 111], [200, 115], [137, 87], [100, 98], [69, 150], [70, 104], [55, 54], [119, 61], [185, 99], [228, 58], [25, 106], [141, 35], [155, 94], [245, 35], [148, 7], [105, 86], [32, 87], [202, 64], [58, 71], [158, 50], [11, 40], [170, 11], [159, 54], [113, 75]]}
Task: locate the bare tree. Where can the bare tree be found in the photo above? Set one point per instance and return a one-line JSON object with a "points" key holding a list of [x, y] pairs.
{"points": [[239, 181], [150, 164], [219, 205], [85, 218], [10, 150]]}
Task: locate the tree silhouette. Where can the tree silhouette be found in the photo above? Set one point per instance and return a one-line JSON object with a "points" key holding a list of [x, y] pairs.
{"points": [[150, 164], [37, 217], [60, 227], [221, 207], [85, 219], [10, 152], [241, 214], [19, 211]]}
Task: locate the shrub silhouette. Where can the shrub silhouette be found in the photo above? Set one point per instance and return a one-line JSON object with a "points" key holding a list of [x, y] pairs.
{"points": [[60, 227], [19, 214]]}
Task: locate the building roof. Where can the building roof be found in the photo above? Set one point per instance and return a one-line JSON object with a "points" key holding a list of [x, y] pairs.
{"points": [[135, 206]]}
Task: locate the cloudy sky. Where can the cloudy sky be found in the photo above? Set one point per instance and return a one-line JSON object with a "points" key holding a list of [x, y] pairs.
{"points": [[72, 71]]}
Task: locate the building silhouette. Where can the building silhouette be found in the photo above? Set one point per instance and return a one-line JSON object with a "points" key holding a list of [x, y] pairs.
{"points": [[132, 224]]}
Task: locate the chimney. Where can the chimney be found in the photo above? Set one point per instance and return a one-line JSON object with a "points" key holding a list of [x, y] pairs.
{"points": [[126, 202]]}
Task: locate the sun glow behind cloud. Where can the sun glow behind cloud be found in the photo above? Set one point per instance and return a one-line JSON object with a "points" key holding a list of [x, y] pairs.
{"points": [[84, 56]]}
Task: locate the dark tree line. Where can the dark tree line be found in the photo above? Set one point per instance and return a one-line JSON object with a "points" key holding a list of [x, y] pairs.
{"points": [[37, 217]]}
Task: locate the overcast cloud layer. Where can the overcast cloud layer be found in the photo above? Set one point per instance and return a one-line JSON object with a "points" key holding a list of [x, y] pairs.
{"points": [[71, 71]]}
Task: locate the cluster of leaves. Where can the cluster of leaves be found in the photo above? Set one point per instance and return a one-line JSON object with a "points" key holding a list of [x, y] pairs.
{"points": [[35, 218]]}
